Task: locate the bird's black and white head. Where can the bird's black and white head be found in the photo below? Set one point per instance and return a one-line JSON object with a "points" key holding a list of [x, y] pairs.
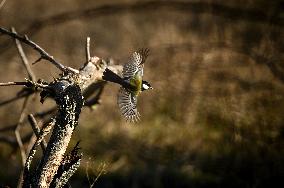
{"points": [[146, 85]]}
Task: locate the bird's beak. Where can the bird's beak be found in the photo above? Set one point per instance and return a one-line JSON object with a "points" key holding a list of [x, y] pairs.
{"points": [[151, 88]]}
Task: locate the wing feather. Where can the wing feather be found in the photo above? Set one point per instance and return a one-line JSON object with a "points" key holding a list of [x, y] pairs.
{"points": [[135, 63], [127, 104]]}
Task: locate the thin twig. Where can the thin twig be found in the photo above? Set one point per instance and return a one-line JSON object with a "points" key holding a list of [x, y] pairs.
{"points": [[100, 171], [45, 130], [21, 146], [14, 98], [17, 130], [11, 140], [13, 83], [87, 174], [28, 83], [26, 172], [31, 76], [24, 58], [88, 54], [42, 52], [38, 114], [36, 130]]}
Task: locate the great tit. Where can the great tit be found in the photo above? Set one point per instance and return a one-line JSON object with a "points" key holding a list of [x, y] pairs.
{"points": [[131, 84]]}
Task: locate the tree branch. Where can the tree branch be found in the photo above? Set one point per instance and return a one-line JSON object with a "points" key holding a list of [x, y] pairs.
{"points": [[11, 140], [69, 103], [38, 114], [67, 168], [14, 83], [67, 92], [24, 58], [36, 130], [17, 97], [17, 130], [88, 55], [27, 174], [44, 54]]}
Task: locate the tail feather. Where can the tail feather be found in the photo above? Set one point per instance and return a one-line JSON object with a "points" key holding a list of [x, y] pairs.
{"points": [[110, 76]]}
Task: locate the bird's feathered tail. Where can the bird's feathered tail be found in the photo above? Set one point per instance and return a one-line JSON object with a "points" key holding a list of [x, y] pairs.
{"points": [[110, 76]]}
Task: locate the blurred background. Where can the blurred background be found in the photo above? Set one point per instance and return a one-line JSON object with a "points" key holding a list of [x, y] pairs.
{"points": [[215, 116]]}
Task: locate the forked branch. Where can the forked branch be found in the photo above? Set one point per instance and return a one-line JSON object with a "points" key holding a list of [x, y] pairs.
{"points": [[67, 90], [41, 51]]}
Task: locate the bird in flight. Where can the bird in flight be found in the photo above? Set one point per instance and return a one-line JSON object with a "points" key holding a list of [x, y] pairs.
{"points": [[131, 84]]}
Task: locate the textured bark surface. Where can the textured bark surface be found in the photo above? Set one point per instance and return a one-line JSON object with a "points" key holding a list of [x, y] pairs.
{"points": [[70, 102]]}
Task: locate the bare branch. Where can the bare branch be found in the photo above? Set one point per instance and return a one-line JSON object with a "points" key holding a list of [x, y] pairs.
{"points": [[26, 172], [14, 99], [36, 130], [68, 167], [67, 92], [21, 146], [17, 130], [29, 84], [13, 83], [11, 140], [44, 54], [101, 170], [88, 55], [24, 58], [45, 130], [69, 102], [38, 114]]}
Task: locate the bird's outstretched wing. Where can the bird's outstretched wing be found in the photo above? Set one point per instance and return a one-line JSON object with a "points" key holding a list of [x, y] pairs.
{"points": [[135, 63], [127, 104]]}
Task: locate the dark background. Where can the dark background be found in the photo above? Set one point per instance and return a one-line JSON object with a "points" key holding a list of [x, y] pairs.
{"points": [[215, 117]]}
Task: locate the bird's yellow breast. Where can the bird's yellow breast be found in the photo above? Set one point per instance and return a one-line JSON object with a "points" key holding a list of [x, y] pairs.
{"points": [[136, 82]]}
